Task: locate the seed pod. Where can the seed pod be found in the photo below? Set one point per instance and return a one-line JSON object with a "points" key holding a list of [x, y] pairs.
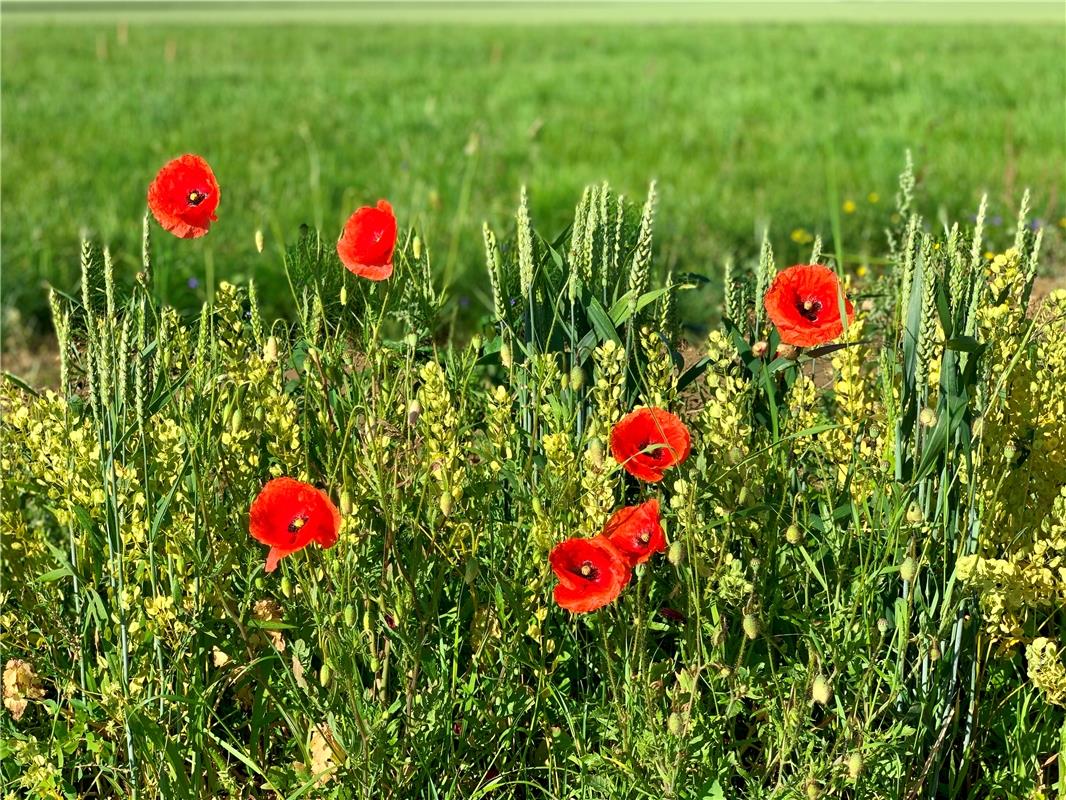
{"points": [[235, 422], [854, 765], [349, 615], [793, 535], [882, 625], [751, 626], [759, 349], [325, 674], [934, 651], [346, 502], [538, 508], [908, 569], [674, 724], [577, 378], [676, 554], [821, 691], [344, 294]]}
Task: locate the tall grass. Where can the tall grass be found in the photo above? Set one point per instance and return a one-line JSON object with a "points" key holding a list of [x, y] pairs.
{"points": [[860, 597]]}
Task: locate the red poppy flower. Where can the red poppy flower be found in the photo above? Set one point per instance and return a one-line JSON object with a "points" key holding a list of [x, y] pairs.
{"points": [[183, 197], [366, 245], [288, 515], [591, 573], [636, 532], [648, 441], [804, 304]]}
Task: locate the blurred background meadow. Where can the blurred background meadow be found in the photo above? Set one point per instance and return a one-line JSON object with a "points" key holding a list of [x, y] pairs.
{"points": [[791, 116]]}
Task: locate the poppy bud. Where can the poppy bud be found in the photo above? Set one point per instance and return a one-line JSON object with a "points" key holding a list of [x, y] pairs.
{"points": [[759, 349], [882, 625], [676, 554], [344, 295], [411, 340], [416, 248], [908, 569], [270, 350], [934, 652], [914, 513], [475, 342], [235, 422], [577, 378], [260, 583], [674, 724], [789, 351], [854, 766], [927, 417], [414, 411], [814, 791], [259, 240], [747, 497], [470, 575], [446, 504], [324, 674], [751, 626], [538, 509], [821, 691], [349, 615], [793, 535], [505, 355], [346, 502], [286, 586]]}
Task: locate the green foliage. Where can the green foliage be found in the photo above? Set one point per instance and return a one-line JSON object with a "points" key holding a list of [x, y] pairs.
{"points": [[807, 634]]}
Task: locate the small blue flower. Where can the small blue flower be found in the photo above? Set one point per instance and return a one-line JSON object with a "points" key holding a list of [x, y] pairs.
{"points": [[192, 283], [464, 301]]}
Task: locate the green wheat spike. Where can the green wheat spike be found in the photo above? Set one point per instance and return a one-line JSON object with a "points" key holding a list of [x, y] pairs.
{"points": [[762, 276], [1022, 228], [492, 264], [638, 270], [905, 195], [257, 319], [146, 253], [592, 224], [976, 248], [525, 246], [610, 277], [816, 251], [109, 286], [577, 242], [605, 227], [61, 323]]}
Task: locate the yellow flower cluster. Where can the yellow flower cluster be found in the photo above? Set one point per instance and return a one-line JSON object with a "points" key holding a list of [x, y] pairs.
{"points": [[660, 383], [439, 423], [599, 473]]}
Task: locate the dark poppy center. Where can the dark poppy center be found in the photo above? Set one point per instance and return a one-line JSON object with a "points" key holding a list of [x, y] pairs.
{"points": [[588, 571], [645, 537], [297, 523], [656, 453], [196, 197], [809, 309]]}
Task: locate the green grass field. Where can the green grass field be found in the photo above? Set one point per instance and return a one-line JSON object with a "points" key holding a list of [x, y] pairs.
{"points": [[744, 124]]}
